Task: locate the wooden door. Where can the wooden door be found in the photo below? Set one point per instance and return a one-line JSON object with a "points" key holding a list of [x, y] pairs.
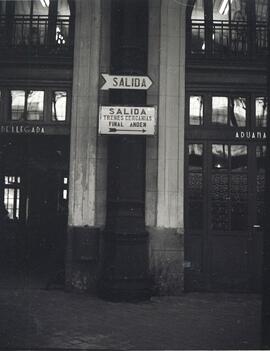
{"points": [[224, 206]]}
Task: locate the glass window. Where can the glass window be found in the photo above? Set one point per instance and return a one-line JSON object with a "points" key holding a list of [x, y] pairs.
{"points": [[198, 27], [59, 106], [261, 10], [196, 110], [261, 111], [195, 157], [229, 9], [195, 187], [238, 112], [221, 10], [220, 156], [260, 183], [63, 8], [35, 105], [219, 110], [27, 105], [12, 196], [261, 158], [32, 7], [239, 158], [17, 104], [41, 7], [62, 27]]}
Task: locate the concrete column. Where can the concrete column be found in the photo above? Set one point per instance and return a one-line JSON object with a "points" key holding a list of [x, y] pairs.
{"points": [[82, 183], [171, 115], [83, 237], [165, 152]]}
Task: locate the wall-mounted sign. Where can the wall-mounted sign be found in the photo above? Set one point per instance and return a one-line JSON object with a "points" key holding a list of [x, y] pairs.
{"points": [[127, 120], [126, 82], [22, 129], [34, 129], [250, 135]]}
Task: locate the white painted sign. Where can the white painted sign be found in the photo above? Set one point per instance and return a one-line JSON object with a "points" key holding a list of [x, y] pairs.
{"points": [[126, 82], [127, 120]]}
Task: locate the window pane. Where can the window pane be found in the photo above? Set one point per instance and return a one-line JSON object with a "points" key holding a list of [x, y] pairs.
{"points": [[198, 27], [196, 110], [238, 112], [23, 7], [219, 109], [261, 10], [260, 182], [63, 8], [59, 106], [261, 158], [261, 111], [17, 104], [238, 10], [41, 7], [219, 156], [239, 157], [221, 10], [35, 103], [195, 159]]}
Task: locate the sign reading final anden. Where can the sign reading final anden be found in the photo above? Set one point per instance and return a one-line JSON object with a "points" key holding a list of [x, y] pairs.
{"points": [[127, 120]]}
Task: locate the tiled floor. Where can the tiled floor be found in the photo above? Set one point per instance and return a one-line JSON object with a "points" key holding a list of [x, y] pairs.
{"points": [[39, 319]]}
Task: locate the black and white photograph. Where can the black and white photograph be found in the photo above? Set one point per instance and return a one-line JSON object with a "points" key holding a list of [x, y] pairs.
{"points": [[134, 175]]}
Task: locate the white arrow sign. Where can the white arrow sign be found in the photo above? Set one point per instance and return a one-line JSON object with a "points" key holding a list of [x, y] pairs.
{"points": [[126, 82]]}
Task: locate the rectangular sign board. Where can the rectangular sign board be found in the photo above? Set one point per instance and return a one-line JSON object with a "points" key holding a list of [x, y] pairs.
{"points": [[125, 82], [115, 120]]}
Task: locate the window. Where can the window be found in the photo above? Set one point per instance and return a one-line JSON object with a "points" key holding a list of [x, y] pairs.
{"points": [[233, 108], [196, 110], [261, 111], [260, 182], [29, 24], [12, 196], [219, 110], [65, 191], [198, 29], [59, 105], [220, 156], [63, 196], [27, 105], [195, 187], [229, 187], [226, 27]]}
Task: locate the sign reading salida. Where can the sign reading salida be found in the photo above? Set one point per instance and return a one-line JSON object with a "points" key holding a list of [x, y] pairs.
{"points": [[127, 120], [125, 82]]}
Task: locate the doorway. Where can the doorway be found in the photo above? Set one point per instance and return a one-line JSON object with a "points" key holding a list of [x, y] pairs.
{"points": [[224, 193], [34, 194]]}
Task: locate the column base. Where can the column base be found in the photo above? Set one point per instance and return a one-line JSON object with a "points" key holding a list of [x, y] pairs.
{"points": [[125, 267]]}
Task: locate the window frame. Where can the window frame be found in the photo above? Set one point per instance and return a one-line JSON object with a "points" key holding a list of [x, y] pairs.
{"points": [[5, 106]]}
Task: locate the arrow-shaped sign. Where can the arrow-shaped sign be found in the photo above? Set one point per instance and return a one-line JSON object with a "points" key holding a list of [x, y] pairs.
{"points": [[114, 130], [126, 82]]}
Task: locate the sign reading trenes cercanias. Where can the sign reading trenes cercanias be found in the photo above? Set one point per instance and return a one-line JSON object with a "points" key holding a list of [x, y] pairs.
{"points": [[127, 120]]}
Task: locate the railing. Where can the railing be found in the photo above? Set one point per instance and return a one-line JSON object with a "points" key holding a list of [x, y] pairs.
{"points": [[36, 32], [230, 38], [227, 38]]}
